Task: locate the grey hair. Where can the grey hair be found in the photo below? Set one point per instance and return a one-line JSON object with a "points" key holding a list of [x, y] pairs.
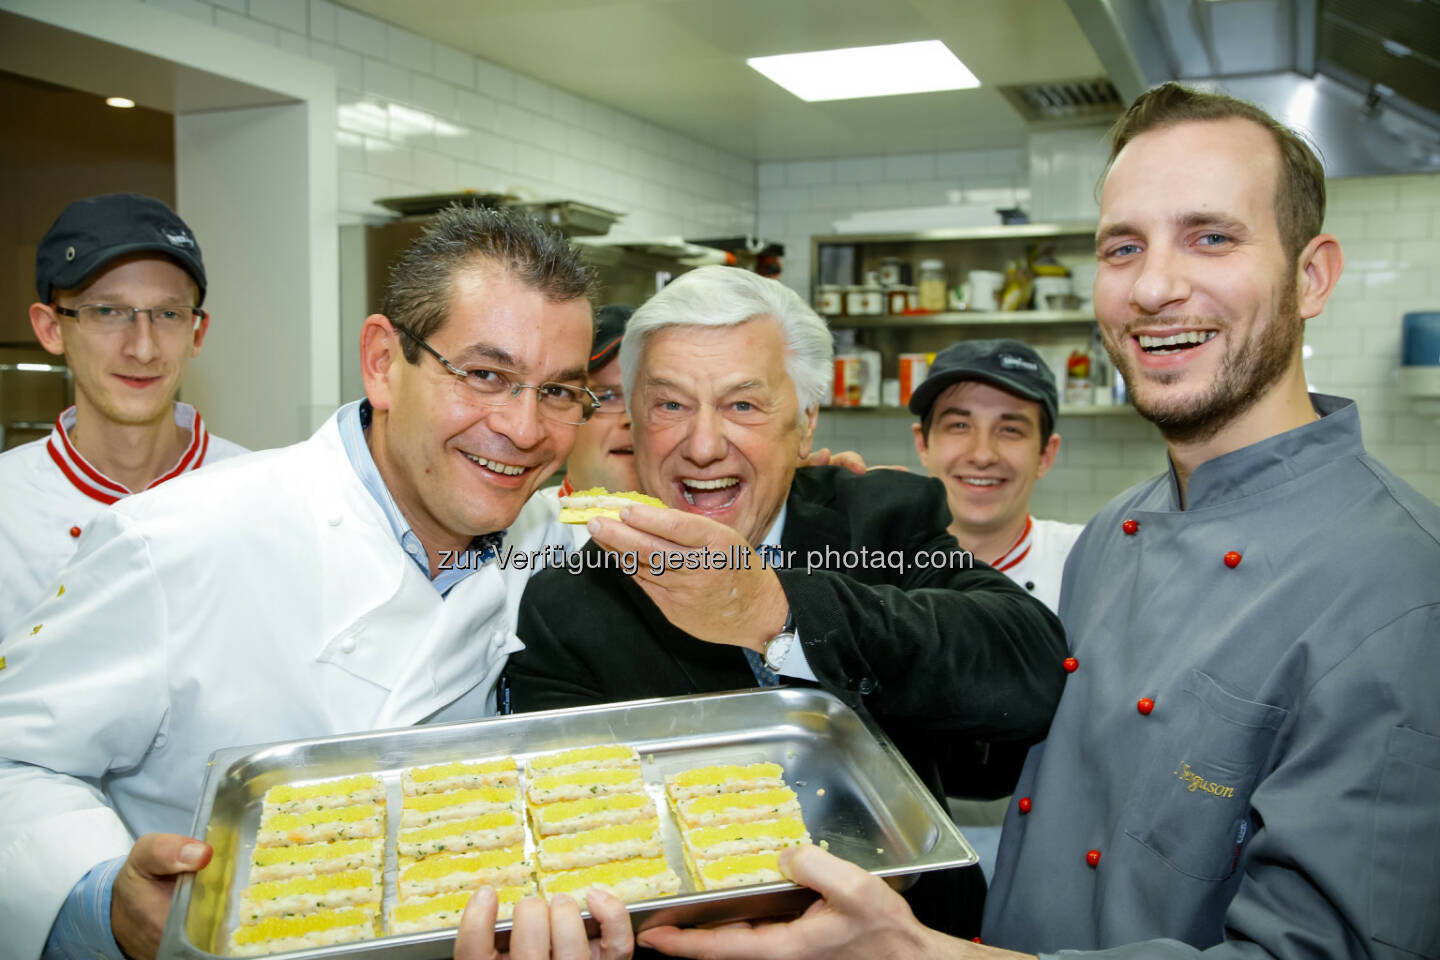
{"points": [[539, 256], [717, 296]]}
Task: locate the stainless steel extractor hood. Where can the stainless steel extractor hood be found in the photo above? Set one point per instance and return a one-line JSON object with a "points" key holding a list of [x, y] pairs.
{"points": [[1360, 77]]}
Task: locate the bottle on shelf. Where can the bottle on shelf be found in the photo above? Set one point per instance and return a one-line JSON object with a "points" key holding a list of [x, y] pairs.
{"points": [[932, 286]]}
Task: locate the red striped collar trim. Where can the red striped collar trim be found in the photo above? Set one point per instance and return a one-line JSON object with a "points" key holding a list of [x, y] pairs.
{"points": [[94, 484], [565, 488], [1019, 550]]}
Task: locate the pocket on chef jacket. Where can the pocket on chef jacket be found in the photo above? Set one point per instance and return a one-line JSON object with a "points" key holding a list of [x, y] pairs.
{"points": [[1193, 793], [1407, 838]]}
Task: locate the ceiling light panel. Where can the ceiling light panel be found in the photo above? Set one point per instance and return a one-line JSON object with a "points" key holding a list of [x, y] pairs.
{"points": [[854, 72]]}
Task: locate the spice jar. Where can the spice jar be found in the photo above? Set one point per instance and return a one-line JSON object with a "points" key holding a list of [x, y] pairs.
{"points": [[897, 299], [863, 301], [932, 285], [892, 272]]}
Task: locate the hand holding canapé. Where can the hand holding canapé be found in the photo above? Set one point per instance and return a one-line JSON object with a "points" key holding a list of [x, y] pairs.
{"points": [[742, 604]]}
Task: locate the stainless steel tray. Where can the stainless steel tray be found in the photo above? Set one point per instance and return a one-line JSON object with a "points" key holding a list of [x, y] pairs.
{"points": [[856, 792]]}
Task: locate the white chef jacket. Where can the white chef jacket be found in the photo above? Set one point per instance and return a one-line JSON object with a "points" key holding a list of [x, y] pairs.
{"points": [[264, 599], [1037, 560], [51, 492]]}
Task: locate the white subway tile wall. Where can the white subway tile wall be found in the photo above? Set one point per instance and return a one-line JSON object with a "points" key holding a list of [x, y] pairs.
{"points": [[417, 117], [799, 199], [1389, 228]]}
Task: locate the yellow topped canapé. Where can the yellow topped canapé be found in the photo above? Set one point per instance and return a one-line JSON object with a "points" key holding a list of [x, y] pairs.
{"points": [[298, 925], [727, 867], [308, 852], [326, 883], [606, 873], [570, 842], [720, 774], [587, 778], [776, 798], [568, 758], [452, 828], [351, 814], [446, 864], [288, 793], [566, 809], [457, 798], [788, 828], [444, 771], [451, 902]]}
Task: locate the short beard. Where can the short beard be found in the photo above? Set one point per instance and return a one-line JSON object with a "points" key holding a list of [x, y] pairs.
{"points": [[1241, 381]]}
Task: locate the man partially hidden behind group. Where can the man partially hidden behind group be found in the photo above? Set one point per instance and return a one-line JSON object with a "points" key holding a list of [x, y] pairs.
{"points": [[723, 371], [1246, 757], [603, 455]]}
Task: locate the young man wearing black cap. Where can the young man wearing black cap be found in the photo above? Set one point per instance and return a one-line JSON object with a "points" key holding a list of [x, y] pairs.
{"points": [[603, 455], [987, 429], [120, 282]]}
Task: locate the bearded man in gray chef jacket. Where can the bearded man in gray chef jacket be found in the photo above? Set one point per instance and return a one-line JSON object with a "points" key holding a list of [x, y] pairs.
{"points": [[1246, 758]]}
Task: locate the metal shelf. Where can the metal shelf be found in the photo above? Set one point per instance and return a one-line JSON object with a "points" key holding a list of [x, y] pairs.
{"points": [[969, 318], [1013, 232]]}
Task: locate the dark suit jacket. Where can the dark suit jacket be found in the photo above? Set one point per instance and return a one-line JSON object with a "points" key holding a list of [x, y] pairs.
{"points": [[959, 651]]}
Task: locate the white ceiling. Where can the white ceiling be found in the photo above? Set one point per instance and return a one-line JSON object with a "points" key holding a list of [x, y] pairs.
{"points": [[681, 63]]}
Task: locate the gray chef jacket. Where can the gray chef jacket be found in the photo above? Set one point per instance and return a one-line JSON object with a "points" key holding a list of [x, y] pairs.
{"points": [[1281, 796]]}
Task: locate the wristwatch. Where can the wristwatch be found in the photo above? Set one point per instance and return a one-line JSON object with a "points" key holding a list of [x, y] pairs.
{"points": [[777, 648]]}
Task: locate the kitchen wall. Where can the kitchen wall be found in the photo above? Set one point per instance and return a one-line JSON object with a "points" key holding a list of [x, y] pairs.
{"points": [[420, 117], [1389, 228], [798, 200], [416, 116]]}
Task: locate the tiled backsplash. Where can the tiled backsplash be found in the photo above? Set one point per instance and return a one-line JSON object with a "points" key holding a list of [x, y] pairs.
{"points": [[420, 117]]}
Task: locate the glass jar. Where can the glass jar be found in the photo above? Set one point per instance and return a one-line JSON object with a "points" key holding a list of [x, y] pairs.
{"points": [[864, 301], [898, 299], [892, 273], [932, 285], [830, 301]]}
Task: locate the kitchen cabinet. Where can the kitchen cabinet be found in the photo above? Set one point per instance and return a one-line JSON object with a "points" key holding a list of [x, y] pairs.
{"points": [[846, 259]]}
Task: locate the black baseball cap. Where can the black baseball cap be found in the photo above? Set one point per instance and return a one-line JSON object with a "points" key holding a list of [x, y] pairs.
{"points": [[1008, 364], [609, 330], [91, 233]]}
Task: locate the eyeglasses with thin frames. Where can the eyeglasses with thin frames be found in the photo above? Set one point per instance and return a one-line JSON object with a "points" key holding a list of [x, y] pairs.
{"points": [[609, 403], [561, 402], [114, 317]]}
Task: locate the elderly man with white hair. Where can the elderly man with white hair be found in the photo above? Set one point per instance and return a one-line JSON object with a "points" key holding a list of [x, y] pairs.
{"points": [[723, 371]]}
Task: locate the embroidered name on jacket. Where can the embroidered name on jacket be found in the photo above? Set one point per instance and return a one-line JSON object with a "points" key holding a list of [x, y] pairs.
{"points": [[1193, 782]]}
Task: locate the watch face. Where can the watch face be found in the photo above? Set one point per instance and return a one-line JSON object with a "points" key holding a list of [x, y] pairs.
{"points": [[778, 649]]}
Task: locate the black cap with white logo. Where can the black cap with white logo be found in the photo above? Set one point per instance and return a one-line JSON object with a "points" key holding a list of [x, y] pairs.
{"points": [[1008, 364], [91, 233]]}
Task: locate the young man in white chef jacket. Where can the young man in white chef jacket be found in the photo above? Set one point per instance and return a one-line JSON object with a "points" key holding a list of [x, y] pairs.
{"points": [[987, 414], [345, 583], [120, 282]]}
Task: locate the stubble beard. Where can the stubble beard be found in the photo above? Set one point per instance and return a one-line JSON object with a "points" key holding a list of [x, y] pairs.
{"points": [[1246, 373]]}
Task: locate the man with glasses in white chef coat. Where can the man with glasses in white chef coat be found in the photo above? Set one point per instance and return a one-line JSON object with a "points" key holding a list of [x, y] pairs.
{"points": [[120, 281], [343, 584]]}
